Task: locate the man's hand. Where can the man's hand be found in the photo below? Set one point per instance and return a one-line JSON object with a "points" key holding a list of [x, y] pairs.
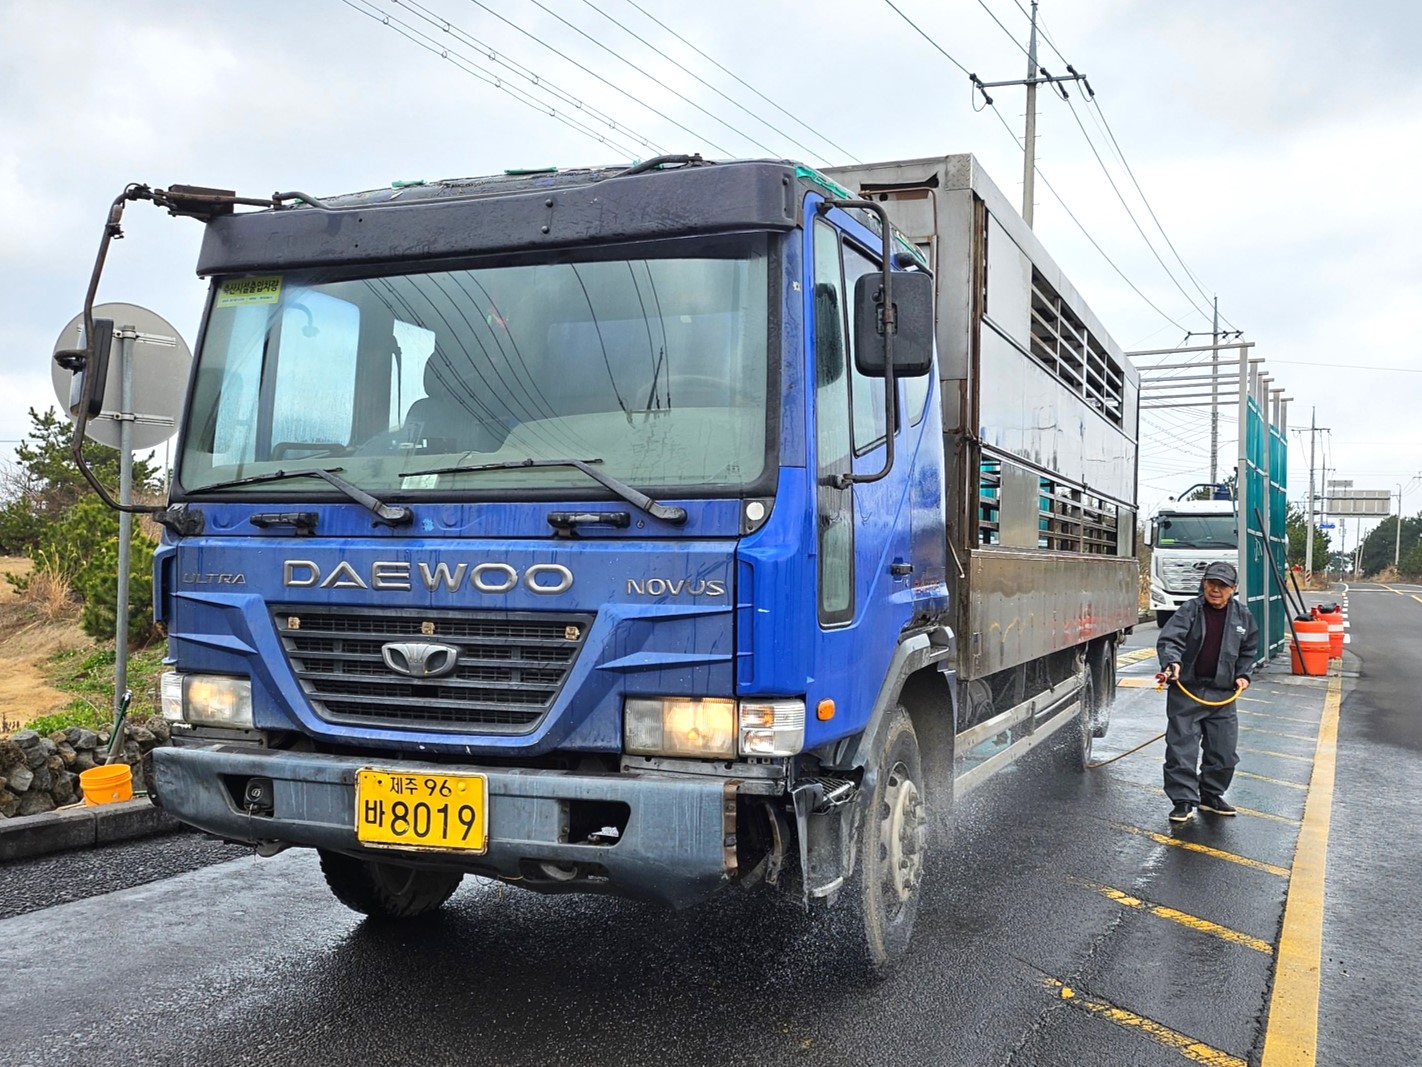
{"points": [[1241, 684], [1171, 672]]}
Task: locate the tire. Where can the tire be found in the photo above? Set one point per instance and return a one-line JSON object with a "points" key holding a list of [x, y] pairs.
{"points": [[1161, 618], [1105, 692], [386, 890], [1084, 729], [884, 892]]}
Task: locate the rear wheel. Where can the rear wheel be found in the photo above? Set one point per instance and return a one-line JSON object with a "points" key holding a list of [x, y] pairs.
{"points": [[884, 893], [386, 890]]}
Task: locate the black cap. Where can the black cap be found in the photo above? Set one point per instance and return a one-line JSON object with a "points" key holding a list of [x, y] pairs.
{"points": [[1221, 571]]}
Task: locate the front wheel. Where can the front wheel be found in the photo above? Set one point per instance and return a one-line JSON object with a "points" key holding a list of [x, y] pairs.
{"points": [[386, 890], [886, 888]]}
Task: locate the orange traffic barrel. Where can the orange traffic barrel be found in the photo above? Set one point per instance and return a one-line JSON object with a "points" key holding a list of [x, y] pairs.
{"points": [[1334, 619], [1309, 649]]}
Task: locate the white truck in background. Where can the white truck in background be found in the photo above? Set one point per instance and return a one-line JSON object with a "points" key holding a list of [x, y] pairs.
{"points": [[1186, 536]]}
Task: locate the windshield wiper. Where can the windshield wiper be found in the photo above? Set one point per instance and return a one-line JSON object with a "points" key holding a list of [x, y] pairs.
{"points": [[668, 513], [388, 514]]}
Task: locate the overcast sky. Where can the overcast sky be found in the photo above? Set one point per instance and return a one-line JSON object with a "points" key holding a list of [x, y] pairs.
{"points": [[1278, 145]]}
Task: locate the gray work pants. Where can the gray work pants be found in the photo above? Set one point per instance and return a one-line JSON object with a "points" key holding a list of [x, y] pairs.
{"points": [[1187, 724]]}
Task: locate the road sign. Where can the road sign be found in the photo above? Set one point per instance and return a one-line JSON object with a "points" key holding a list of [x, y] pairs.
{"points": [[160, 376], [1325, 525]]}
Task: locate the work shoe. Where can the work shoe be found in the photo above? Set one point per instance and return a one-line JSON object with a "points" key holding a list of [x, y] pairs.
{"points": [[1182, 812], [1217, 805]]}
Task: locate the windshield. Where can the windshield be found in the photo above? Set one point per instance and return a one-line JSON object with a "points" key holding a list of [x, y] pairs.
{"points": [[1197, 531], [656, 366]]}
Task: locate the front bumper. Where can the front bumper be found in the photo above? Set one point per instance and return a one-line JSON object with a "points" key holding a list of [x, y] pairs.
{"points": [[678, 845]]}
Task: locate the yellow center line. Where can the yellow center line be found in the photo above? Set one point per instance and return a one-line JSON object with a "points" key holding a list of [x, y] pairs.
{"points": [[1276, 755], [1271, 781], [1291, 1037], [1187, 1046], [1194, 922], [1206, 850], [1416, 598]]}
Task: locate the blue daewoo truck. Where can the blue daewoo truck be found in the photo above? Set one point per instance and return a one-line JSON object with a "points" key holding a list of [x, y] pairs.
{"points": [[639, 530]]}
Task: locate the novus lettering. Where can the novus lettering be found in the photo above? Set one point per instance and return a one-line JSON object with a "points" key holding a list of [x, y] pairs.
{"points": [[675, 587]]}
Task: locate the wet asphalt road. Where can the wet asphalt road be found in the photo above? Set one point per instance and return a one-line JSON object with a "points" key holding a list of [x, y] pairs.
{"points": [[207, 959]]}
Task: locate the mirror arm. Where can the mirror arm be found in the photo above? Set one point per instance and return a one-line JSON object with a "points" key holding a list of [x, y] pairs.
{"points": [[889, 323]]}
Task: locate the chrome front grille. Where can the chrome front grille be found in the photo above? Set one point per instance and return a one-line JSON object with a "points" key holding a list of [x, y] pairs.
{"points": [[510, 666], [1182, 576]]}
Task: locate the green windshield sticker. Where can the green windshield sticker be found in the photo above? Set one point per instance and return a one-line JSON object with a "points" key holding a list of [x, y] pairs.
{"points": [[244, 292]]}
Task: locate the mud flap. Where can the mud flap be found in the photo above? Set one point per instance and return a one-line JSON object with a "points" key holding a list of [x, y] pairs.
{"points": [[825, 818]]}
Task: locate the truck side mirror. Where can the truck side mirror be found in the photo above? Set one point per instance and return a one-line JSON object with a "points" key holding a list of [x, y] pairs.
{"points": [[90, 366], [913, 315]]}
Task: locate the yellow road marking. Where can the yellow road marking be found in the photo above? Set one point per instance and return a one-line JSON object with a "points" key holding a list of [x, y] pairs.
{"points": [[1390, 589], [1276, 755], [1194, 922], [1417, 598], [1271, 781], [1243, 811], [1291, 1037], [1125, 659], [1206, 850], [1136, 682], [1281, 718], [1187, 1046], [1280, 733]]}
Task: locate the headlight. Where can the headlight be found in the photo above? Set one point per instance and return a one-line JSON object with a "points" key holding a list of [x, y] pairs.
{"points": [[713, 728], [680, 726], [209, 699]]}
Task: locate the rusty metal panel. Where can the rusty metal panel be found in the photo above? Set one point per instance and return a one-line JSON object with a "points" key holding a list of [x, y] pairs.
{"points": [[1024, 605]]}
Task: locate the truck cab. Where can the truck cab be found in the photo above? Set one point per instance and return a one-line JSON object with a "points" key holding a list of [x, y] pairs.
{"points": [[1186, 537]]}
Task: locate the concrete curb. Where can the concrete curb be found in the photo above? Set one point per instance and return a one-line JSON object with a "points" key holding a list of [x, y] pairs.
{"points": [[81, 826]]}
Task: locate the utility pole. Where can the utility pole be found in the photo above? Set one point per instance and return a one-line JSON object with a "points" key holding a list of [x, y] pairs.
{"points": [[1029, 158], [1035, 76], [1313, 430], [1215, 395], [1397, 542]]}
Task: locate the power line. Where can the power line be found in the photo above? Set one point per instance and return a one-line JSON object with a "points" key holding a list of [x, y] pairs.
{"points": [[1086, 233], [533, 77], [1004, 29], [1129, 213], [1170, 244], [599, 77], [844, 151], [656, 81], [704, 82], [931, 41], [428, 43]]}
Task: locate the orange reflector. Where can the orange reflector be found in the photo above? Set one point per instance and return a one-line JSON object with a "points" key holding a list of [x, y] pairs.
{"points": [[824, 710]]}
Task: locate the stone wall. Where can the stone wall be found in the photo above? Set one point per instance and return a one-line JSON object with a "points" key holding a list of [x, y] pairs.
{"points": [[41, 773]]}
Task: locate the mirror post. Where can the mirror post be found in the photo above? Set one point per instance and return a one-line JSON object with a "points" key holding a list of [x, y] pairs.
{"points": [[126, 337]]}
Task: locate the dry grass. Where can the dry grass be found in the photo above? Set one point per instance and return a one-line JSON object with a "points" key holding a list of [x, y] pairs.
{"points": [[33, 626]]}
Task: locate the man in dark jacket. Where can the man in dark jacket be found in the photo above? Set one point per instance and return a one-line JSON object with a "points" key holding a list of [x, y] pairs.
{"points": [[1208, 646]]}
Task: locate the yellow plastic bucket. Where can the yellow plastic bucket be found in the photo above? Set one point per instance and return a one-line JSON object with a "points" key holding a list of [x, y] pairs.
{"points": [[108, 784]]}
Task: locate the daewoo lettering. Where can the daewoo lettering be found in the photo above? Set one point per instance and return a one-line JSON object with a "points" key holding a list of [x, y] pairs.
{"points": [[548, 579]]}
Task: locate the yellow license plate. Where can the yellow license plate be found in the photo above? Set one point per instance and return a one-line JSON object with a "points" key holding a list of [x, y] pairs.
{"points": [[433, 811]]}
